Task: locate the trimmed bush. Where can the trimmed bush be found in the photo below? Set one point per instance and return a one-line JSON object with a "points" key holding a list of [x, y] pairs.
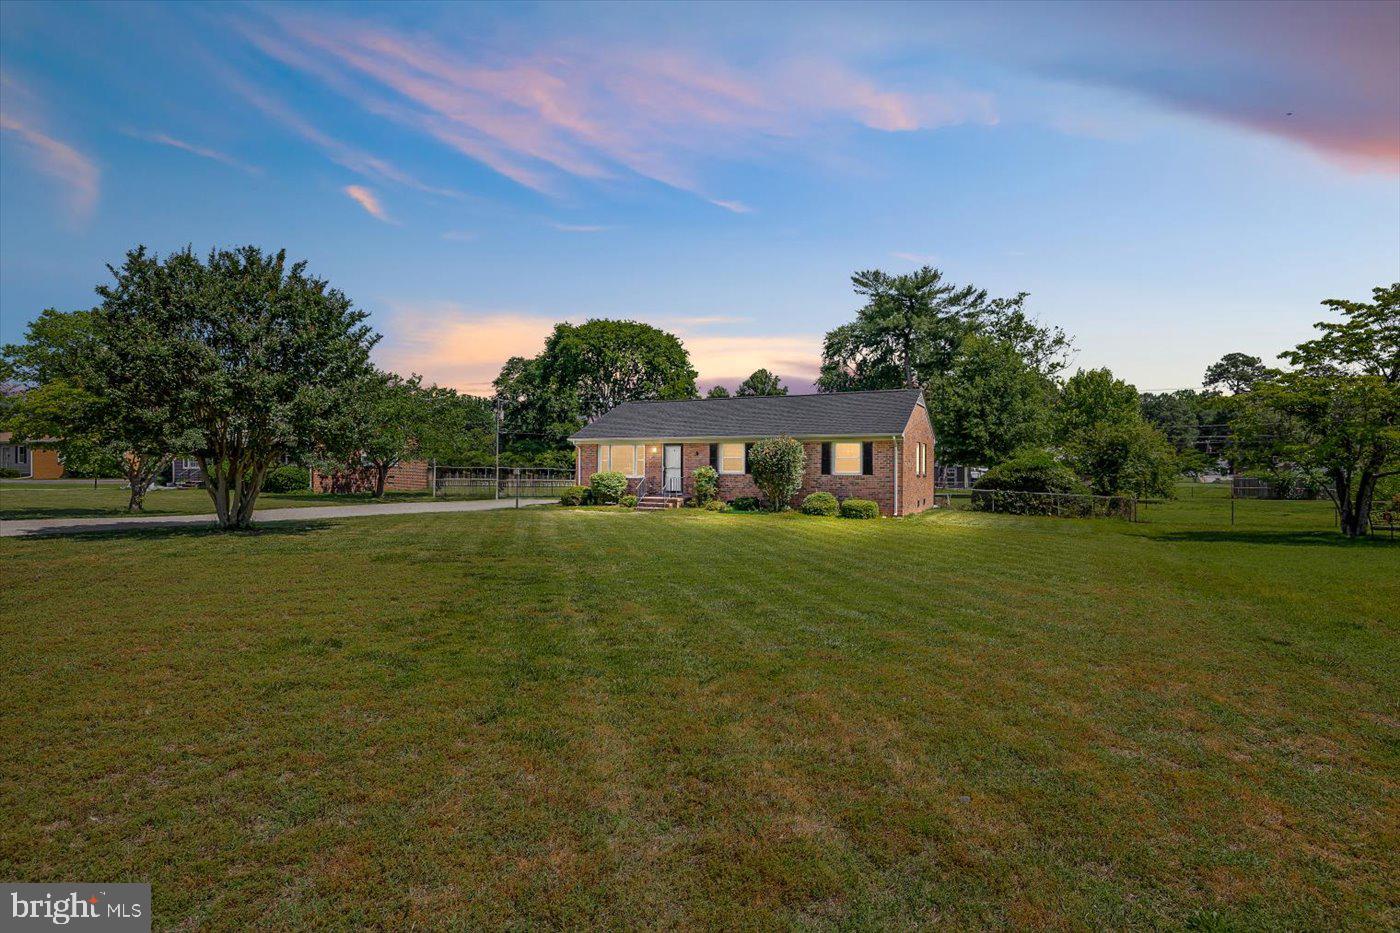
{"points": [[628, 502], [776, 464], [821, 503], [859, 508], [714, 505], [1030, 472], [573, 495], [745, 504], [287, 479], [608, 486], [706, 484], [9, 473]]}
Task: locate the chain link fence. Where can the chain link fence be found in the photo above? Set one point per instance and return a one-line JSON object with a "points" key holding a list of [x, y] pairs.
{"points": [[500, 483]]}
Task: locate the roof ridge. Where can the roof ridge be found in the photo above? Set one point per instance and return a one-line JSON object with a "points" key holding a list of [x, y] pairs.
{"points": [[740, 398]]}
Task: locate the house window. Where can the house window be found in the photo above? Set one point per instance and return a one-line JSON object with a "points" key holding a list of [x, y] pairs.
{"points": [[846, 459], [920, 460], [627, 459], [731, 458], [21, 454]]}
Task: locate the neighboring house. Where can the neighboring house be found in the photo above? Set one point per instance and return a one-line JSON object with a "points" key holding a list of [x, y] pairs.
{"points": [[871, 445], [405, 476], [185, 471], [29, 460]]}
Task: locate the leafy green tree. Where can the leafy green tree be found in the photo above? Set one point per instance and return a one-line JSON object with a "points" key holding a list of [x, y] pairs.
{"points": [[761, 382], [717, 392], [587, 370], [98, 415], [989, 403], [1124, 457], [777, 464], [910, 325], [605, 363], [1091, 397], [1236, 372], [243, 351], [382, 423], [1338, 411], [461, 428], [1176, 414], [1044, 348]]}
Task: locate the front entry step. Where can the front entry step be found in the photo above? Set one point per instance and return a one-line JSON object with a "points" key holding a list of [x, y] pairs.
{"points": [[654, 503]]}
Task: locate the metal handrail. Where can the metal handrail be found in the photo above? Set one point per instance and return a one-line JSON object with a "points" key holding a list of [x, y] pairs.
{"points": [[641, 487]]}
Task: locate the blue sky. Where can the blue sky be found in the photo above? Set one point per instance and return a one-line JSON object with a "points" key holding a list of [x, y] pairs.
{"points": [[1169, 182]]}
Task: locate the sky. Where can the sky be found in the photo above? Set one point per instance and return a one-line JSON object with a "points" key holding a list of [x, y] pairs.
{"points": [[1169, 182]]}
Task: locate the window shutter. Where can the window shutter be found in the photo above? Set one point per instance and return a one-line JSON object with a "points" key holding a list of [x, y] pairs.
{"points": [[746, 457], [826, 459], [714, 457], [867, 458]]}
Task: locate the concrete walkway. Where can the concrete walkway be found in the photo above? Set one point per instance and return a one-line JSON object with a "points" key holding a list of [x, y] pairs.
{"points": [[63, 526]]}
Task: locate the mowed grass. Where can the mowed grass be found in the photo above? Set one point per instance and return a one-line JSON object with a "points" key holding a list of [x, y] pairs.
{"points": [[601, 718], [23, 500]]}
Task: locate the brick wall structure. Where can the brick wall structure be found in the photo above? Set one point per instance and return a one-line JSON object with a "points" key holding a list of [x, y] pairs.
{"points": [[915, 491], [407, 476]]}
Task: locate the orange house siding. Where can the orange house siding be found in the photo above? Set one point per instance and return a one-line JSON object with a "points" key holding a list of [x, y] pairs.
{"points": [[45, 463]]}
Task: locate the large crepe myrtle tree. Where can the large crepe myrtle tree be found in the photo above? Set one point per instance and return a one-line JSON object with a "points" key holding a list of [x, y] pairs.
{"points": [[74, 397], [1340, 403], [251, 356]]}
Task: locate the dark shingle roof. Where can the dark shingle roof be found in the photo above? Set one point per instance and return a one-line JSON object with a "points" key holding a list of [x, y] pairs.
{"points": [[835, 414]]}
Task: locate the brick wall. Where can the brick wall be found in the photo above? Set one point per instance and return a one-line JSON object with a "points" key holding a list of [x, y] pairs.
{"points": [[878, 487], [915, 491], [408, 476]]}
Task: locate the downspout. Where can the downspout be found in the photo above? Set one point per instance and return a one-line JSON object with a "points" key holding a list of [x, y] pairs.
{"points": [[898, 465]]}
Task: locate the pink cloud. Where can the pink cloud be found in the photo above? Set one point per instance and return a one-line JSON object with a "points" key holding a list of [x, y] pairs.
{"points": [[78, 175], [596, 113], [456, 346], [369, 201], [203, 152]]}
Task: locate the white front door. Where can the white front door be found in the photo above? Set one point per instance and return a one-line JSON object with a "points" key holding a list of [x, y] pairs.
{"points": [[671, 476]]}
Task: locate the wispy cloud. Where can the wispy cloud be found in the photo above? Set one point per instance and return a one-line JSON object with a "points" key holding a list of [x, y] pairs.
{"points": [[923, 259], [369, 201], [76, 173], [454, 345], [580, 228], [737, 207], [164, 139], [342, 153], [558, 111]]}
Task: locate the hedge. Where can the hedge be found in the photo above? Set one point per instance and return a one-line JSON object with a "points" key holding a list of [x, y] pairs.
{"points": [[821, 503], [287, 479], [859, 508], [573, 495]]}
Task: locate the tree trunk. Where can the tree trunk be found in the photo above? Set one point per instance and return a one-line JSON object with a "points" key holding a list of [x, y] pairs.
{"points": [[381, 477]]}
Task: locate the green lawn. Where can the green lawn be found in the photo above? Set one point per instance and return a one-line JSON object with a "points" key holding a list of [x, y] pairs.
{"points": [[21, 499], [593, 717]]}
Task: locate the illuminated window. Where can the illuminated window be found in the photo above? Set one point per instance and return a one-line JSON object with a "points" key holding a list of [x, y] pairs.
{"points": [[731, 458], [921, 460], [627, 459], [846, 458]]}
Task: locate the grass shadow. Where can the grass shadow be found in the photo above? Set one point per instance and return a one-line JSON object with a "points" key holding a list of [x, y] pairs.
{"points": [[129, 532], [1304, 538]]}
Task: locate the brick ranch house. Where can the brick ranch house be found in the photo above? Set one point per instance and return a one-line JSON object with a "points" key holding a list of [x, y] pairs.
{"points": [[871, 445]]}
